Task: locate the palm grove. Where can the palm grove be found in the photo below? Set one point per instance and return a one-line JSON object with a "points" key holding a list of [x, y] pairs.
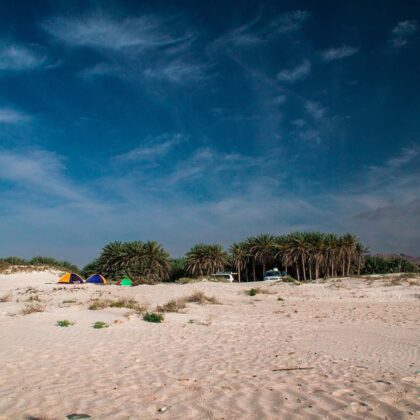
{"points": [[304, 256]]}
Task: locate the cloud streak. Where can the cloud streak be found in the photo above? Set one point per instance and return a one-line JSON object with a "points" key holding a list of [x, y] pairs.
{"points": [[19, 57], [339, 53], [12, 116], [402, 32], [295, 74]]}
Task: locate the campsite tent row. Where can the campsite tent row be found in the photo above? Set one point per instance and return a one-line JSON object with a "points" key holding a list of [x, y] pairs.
{"points": [[72, 278]]}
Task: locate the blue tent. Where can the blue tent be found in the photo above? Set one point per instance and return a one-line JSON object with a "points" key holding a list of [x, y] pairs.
{"points": [[97, 279]]}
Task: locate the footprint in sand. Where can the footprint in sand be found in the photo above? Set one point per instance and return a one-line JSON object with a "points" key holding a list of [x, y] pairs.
{"points": [[341, 392]]}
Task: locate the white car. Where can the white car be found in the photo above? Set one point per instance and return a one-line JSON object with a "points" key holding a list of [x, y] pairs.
{"points": [[226, 276], [273, 274]]}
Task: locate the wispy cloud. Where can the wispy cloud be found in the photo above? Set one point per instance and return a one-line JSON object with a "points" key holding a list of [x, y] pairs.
{"points": [[12, 116], [315, 109], [295, 74], [154, 149], [101, 31], [102, 69], [344, 51], [177, 71], [402, 32], [258, 31], [40, 171], [19, 57]]}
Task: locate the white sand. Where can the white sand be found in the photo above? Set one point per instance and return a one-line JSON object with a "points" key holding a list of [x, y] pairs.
{"points": [[361, 341]]}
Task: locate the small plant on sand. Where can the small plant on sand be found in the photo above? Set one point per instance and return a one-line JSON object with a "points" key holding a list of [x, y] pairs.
{"points": [[6, 298], [174, 305], [280, 298], [153, 317], [33, 298], [32, 308], [100, 324], [252, 292], [126, 303], [64, 323], [201, 299], [96, 304]]}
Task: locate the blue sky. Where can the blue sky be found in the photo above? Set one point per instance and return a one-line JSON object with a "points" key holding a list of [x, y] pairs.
{"points": [[189, 122]]}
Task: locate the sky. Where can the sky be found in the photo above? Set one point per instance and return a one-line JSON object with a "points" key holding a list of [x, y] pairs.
{"points": [[187, 122]]}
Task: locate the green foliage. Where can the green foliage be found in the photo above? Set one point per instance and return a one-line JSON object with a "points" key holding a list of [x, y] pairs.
{"points": [[252, 292], [153, 317], [64, 323], [143, 262], [177, 269], [16, 261], [100, 324], [383, 264], [47, 261], [203, 259]]}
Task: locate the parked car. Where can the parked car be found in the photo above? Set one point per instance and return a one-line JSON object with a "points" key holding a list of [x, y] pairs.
{"points": [[273, 274], [226, 276]]}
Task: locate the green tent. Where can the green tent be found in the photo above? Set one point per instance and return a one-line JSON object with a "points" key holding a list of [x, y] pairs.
{"points": [[125, 282]]}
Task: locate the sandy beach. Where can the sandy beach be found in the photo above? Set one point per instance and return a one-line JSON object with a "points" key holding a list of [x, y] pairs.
{"points": [[347, 348]]}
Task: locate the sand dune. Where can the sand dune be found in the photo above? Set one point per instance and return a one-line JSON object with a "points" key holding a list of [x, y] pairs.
{"points": [[359, 340]]}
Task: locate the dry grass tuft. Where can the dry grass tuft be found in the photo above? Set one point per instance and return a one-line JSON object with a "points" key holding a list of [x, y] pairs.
{"points": [[96, 304], [201, 299], [31, 308], [174, 305], [33, 298], [6, 298]]}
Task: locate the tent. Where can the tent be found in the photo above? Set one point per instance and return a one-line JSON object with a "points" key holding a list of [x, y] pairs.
{"points": [[71, 278], [125, 282], [97, 279]]}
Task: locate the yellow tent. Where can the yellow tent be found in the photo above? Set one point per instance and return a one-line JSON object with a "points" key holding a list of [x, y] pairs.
{"points": [[71, 278]]}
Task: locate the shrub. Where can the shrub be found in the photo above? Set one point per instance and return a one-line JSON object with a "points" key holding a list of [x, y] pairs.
{"points": [[153, 317], [174, 305], [100, 324], [64, 323], [6, 298], [280, 298], [31, 308], [201, 298], [33, 298], [252, 292], [97, 304]]}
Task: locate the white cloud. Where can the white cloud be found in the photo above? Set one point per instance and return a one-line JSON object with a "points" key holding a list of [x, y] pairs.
{"points": [[101, 31], [177, 72], [17, 57], [12, 116], [339, 53], [295, 74], [289, 21], [279, 100], [40, 172], [102, 69], [402, 32], [154, 149], [257, 32], [315, 109]]}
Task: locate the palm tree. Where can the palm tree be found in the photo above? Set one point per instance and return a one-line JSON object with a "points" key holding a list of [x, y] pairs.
{"points": [[203, 259], [239, 253], [262, 249]]}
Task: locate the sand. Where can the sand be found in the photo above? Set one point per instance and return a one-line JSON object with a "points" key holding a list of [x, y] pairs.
{"points": [[355, 342]]}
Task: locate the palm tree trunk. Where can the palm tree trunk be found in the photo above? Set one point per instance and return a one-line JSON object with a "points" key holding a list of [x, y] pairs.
{"points": [[303, 268], [253, 270], [297, 271], [239, 274]]}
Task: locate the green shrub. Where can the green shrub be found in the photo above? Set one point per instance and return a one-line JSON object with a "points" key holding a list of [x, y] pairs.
{"points": [[64, 323], [100, 324], [253, 292], [153, 317]]}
